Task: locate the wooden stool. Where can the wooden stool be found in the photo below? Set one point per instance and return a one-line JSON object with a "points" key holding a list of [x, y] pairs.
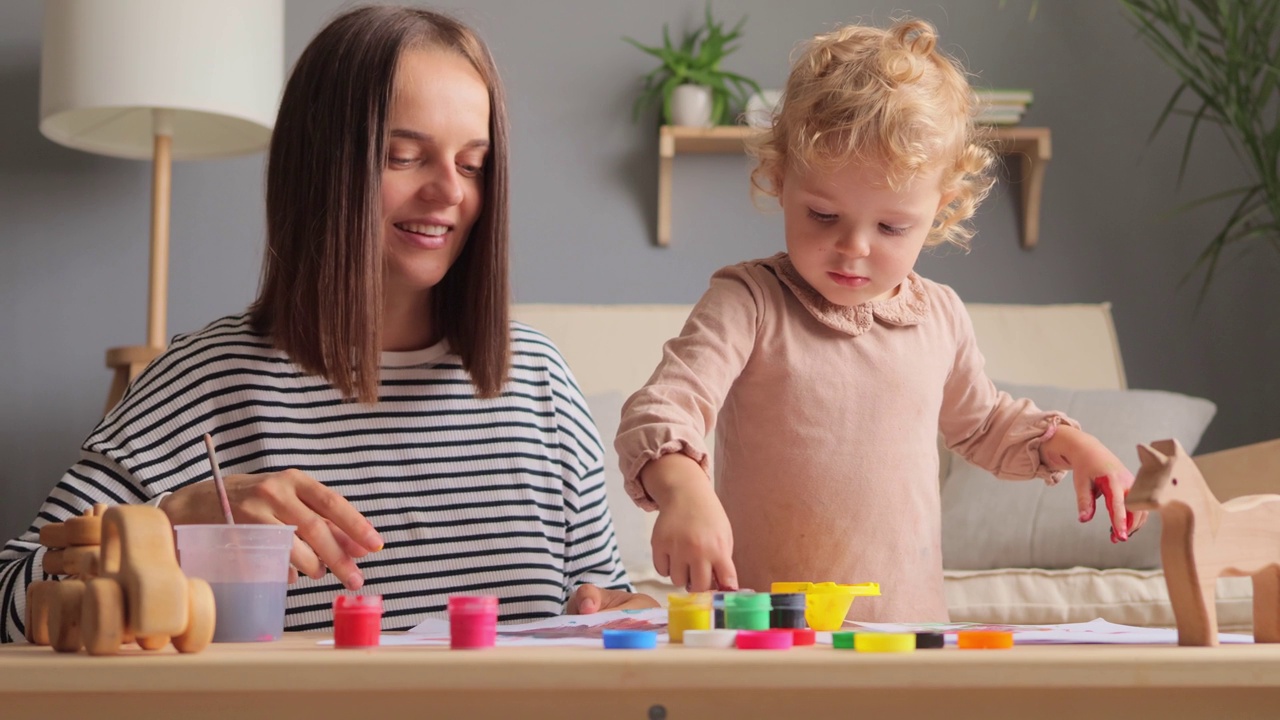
{"points": [[127, 362]]}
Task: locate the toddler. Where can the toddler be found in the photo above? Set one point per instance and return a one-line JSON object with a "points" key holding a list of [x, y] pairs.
{"points": [[829, 370]]}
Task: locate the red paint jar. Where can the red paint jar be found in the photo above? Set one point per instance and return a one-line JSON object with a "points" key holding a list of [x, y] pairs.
{"points": [[357, 621], [473, 621]]}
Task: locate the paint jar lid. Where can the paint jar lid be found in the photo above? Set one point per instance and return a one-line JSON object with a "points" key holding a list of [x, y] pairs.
{"points": [[710, 638], [884, 642], [803, 636], [929, 641], [842, 640], [789, 587], [693, 600], [788, 601], [361, 604], [765, 639], [629, 639], [984, 640], [473, 604], [747, 601]]}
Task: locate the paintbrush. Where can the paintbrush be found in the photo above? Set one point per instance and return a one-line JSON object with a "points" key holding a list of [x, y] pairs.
{"points": [[217, 479]]}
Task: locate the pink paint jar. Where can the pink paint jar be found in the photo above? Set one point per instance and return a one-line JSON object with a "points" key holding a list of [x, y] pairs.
{"points": [[473, 621], [357, 621]]}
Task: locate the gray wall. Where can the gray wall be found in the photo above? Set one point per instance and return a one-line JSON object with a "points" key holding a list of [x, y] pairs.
{"points": [[73, 226]]}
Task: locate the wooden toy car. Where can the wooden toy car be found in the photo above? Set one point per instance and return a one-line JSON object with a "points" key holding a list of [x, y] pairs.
{"points": [[124, 585]]}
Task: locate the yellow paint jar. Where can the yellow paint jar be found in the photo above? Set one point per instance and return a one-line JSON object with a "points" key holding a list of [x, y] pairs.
{"points": [[687, 612]]}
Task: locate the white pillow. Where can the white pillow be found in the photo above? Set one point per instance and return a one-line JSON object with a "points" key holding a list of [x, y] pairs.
{"points": [[989, 523], [633, 526]]}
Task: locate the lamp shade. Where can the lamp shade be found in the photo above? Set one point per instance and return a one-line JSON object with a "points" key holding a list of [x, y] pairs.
{"points": [[216, 66]]}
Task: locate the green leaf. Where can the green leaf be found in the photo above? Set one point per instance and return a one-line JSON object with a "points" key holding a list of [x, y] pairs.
{"points": [[696, 59]]}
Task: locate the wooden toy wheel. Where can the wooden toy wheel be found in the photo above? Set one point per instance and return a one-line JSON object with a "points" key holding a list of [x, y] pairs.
{"points": [[200, 618], [64, 616], [153, 642], [102, 619], [40, 596]]}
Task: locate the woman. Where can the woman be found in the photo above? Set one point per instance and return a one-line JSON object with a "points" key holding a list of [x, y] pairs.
{"points": [[375, 394]]}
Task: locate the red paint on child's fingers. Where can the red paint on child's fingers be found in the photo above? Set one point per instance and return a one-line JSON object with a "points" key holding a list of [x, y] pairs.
{"points": [[1103, 485]]}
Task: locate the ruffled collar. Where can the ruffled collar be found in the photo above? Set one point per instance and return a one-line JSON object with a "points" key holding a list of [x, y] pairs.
{"points": [[909, 307]]}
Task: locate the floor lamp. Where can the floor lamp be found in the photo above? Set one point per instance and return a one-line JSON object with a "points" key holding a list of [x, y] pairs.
{"points": [[160, 80]]}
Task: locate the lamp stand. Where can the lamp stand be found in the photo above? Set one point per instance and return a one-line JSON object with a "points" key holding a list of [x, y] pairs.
{"points": [[128, 362]]}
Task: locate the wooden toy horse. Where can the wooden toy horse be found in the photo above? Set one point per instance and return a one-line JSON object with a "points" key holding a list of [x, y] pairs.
{"points": [[1203, 539]]}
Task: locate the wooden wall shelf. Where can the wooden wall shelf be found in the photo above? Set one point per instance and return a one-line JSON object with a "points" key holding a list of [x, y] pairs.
{"points": [[1031, 145]]}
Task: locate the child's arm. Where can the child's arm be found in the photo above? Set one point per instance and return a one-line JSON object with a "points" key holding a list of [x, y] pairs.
{"points": [[692, 539], [1097, 471], [661, 438]]}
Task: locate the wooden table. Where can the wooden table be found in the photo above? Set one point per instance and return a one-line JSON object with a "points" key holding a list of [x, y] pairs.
{"points": [[296, 678]]}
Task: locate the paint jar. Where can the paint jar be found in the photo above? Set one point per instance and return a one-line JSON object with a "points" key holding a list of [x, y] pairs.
{"points": [[717, 611], [357, 621], [247, 567], [687, 612], [788, 610], [746, 611], [473, 621]]}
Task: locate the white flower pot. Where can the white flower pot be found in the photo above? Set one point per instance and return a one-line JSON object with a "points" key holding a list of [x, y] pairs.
{"points": [[691, 106]]}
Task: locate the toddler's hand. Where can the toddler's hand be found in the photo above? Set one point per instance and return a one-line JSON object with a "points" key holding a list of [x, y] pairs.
{"points": [[692, 539], [1097, 472]]}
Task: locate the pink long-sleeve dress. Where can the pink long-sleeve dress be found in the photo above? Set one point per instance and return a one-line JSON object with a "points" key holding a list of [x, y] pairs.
{"points": [[826, 423]]}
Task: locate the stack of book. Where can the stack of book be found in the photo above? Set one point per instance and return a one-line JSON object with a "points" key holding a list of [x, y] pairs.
{"points": [[1002, 107]]}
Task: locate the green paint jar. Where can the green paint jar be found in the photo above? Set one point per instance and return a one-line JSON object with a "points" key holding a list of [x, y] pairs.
{"points": [[747, 611]]}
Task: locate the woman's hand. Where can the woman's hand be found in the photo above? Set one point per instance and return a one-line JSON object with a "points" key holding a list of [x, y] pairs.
{"points": [[692, 539], [331, 532], [589, 599], [1097, 472]]}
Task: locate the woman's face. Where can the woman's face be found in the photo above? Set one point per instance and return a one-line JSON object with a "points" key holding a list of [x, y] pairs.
{"points": [[433, 181]]}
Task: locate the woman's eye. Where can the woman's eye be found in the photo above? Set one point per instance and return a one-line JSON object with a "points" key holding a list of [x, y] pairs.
{"points": [[893, 230], [822, 217], [400, 162], [470, 170]]}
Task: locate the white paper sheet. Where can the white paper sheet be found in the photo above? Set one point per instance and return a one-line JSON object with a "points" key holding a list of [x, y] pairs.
{"points": [[1094, 632], [585, 631], [566, 630]]}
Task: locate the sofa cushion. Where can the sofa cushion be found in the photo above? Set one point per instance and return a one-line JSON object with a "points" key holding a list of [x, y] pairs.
{"points": [[1041, 597], [989, 523]]}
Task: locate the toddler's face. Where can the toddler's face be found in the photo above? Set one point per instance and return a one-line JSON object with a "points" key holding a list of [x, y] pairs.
{"points": [[850, 235]]}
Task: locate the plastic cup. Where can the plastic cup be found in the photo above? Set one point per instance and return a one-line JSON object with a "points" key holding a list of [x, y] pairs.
{"points": [[247, 566]]}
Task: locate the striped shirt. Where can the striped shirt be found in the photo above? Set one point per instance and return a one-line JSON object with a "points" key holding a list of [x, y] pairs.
{"points": [[502, 496]]}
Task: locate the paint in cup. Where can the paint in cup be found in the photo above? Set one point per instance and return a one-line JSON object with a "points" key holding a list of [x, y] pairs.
{"points": [[247, 567]]}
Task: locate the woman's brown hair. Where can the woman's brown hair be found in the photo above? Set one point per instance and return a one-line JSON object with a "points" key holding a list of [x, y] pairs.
{"points": [[321, 292]]}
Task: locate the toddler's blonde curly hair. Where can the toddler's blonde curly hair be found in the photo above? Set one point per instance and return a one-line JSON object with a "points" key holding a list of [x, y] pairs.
{"points": [[889, 97]]}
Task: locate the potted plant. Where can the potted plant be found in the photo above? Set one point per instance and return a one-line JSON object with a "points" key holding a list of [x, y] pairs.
{"points": [[693, 87], [1227, 55]]}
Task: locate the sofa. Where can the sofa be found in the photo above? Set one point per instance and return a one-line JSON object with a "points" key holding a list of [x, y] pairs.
{"points": [[1013, 551]]}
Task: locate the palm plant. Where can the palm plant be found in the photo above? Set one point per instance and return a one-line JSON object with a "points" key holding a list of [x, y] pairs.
{"points": [[695, 60], [1227, 55]]}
